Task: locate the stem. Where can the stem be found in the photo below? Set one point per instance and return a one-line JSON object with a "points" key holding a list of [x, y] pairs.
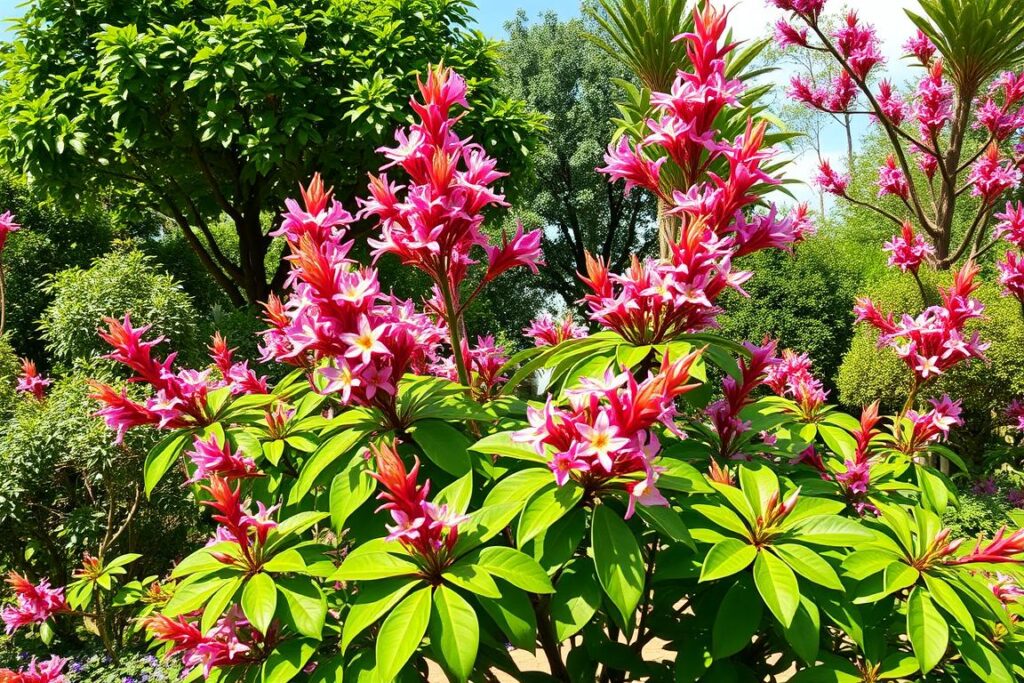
{"points": [[907, 405], [3, 298], [549, 643], [454, 323]]}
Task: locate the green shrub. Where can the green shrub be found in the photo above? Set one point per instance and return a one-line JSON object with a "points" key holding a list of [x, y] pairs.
{"points": [[124, 281], [49, 241]]}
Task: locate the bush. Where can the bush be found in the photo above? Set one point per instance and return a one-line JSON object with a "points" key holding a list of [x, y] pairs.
{"points": [[49, 241], [122, 282], [868, 373]]}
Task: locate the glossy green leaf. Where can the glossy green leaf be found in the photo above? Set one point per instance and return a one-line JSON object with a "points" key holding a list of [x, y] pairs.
{"points": [[516, 567], [726, 558], [454, 633], [287, 660], [737, 620], [401, 633], [446, 446], [514, 615], [778, 587], [306, 605], [325, 456], [548, 506], [577, 597], [618, 561], [162, 457], [808, 564], [350, 488], [926, 629], [259, 601], [373, 602]]}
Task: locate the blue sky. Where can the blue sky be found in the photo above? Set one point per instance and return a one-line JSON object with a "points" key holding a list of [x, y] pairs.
{"points": [[492, 14]]}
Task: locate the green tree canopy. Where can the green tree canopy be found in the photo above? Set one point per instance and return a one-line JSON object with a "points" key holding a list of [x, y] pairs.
{"points": [[198, 109], [560, 73]]}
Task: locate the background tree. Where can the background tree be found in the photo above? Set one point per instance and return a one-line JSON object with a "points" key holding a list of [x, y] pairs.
{"points": [[554, 68], [197, 110]]}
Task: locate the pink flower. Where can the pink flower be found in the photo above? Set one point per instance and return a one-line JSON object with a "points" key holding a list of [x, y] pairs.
{"points": [[1011, 224], [810, 8], [931, 426], [49, 671], [858, 43], [605, 433], [1001, 549], [624, 162], [921, 47], [1015, 413], [790, 376], [934, 341], [831, 181], [725, 413], [907, 251], [521, 250], [1011, 274], [231, 641], [892, 105], [933, 107], [210, 457], [366, 342], [989, 178], [645, 493], [564, 464], [31, 382], [787, 35], [34, 603], [891, 180], [546, 332], [7, 226], [1006, 589]]}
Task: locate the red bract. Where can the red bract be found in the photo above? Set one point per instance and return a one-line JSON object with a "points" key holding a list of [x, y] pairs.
{"points": [[921, 47], [426, 530], [907, 251], [231, 641], [546, 331], [935, 340], [725, 413], [891, 103], [605, 435], [855, 481], [830, 180], [933, 107], [1006, 589], [49, 671], [1001, 549], [34, 603], [237, 524], [180, 396], [655, 301], [31, 382]]}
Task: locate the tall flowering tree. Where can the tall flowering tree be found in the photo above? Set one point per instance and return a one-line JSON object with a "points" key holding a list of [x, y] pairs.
{"points": [[967, 90], [370, 517]]}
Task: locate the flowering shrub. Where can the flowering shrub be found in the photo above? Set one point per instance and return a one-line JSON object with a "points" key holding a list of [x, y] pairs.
{"points": [[400, 499]]}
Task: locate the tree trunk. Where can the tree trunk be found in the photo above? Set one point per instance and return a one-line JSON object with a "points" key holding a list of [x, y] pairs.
{"points": [[668, 229]]}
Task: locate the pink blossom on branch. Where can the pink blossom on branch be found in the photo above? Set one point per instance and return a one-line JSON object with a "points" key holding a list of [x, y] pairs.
{"points": [[231, 641], [31, 382], [7, 226], [787, 35], [725, 413], [892, 180], [522, 250], [990, 178], [920, 46], [629, 163], [858, 44], [933, 105], [791, 376], [930, 426], [1011, 275], [34, 603], [48, 671], [546, 331], [891, 103], [1011, 224], [907, 251], [830, 180], [935, 340]]}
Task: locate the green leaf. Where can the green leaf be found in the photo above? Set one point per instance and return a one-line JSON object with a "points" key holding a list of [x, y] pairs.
{"points": [[444, 445], [737, 620], [948, 600], [577, 597], [401, 633], [829, 530], [546, 507], [454, 633], [373, 560], [321, 459], [472, 578], [350, 488], [289, 560], [758, 483], [808, 564], [457, 494], [514, 615], [218, 603], [287, 660], [618, 561], [259, 601], [502, 444], [516, 567], [373, 602], [726, 558], [804, 634], [306, 604], [926, 629], [668, 522], [778, 587], [161, 458]]}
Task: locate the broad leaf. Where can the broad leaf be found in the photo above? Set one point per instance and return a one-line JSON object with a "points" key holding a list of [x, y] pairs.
{"points": [[778, 587], [454, 632], [259, 601], [618, 561], [401, 633], [726, 558]]}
